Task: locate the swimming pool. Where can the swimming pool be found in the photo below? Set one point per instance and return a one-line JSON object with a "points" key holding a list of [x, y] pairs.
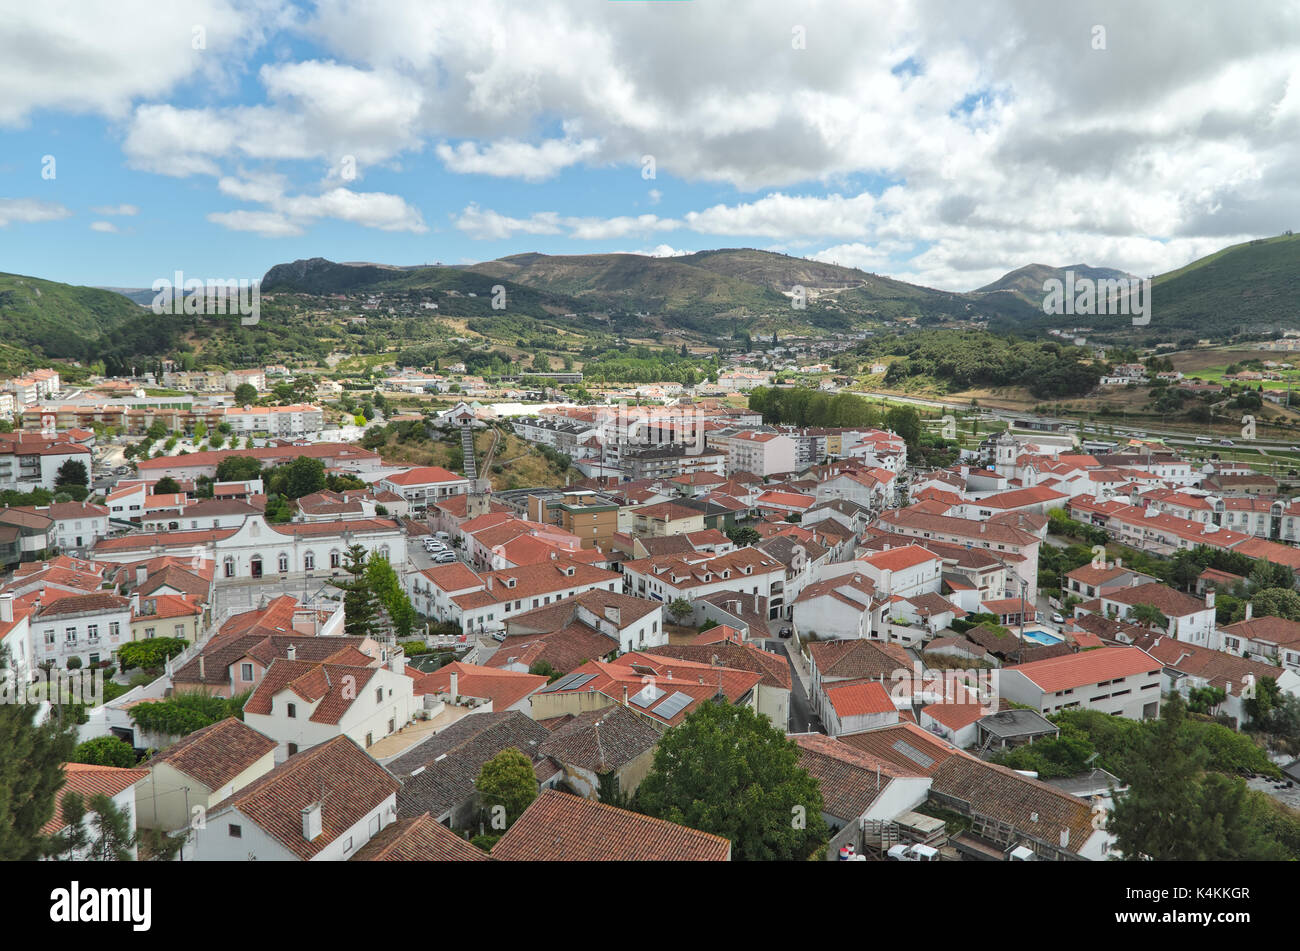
{"points": [[1039, 635]]}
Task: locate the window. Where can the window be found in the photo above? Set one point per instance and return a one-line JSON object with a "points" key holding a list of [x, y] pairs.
{"points": [[94, 659], [370, 740], [293, 748], [178, 630], [235, 831], [49, 637], [379, 695], [70, 635], [334, 559], [92, 632], [246, 673], [230, 567], [283, 561], [293, 710], [309, 561], [113, 628]]}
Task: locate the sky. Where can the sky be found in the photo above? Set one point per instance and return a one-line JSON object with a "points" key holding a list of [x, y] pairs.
{"points": [[921, 140]]}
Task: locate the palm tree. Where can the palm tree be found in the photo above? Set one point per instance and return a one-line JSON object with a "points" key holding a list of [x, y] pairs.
{"points": [[1150, 616]]}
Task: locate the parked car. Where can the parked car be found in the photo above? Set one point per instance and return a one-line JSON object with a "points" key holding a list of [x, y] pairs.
{"points": [[1057, 618], [499, 636], [445, 558], [786, 632]]}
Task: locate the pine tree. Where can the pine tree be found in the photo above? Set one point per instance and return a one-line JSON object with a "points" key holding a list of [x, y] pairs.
{"points": [[111, 835], [31, 772], [360, 606]]}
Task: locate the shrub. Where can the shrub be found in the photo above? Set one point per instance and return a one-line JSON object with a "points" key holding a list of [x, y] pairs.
{"points": [[105, 751], [151, 652]]}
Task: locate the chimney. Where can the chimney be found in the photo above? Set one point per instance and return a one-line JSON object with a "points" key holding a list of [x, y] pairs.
{"points": [[982, 527], [455, 686], [291, 653], [311, 821], [141, 574], [1250, 609], [304, 621], [1209, 598], [6, 608], [625, 695], [201, 666]]}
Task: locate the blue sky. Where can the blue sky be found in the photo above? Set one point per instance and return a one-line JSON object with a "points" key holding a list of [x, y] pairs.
{"points": [[881, 135]]}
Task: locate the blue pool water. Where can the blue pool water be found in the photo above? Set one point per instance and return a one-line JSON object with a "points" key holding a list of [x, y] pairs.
{"points": [[1040, 636]]}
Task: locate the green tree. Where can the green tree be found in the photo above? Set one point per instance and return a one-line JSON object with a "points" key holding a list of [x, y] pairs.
{"points": [[105, 751], [31, 771], [238, 468], [304, 476], [96, 831], [1173, 810], [72, 472], [387, 588], [1149, 615], [680, 609], [360, 606], [728, 771], [507, 780], [742, 535], [167, 486], [1277, 602], [245, 394]]}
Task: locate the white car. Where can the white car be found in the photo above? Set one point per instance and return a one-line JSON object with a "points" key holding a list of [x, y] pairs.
{"points": [[1058, 619]]}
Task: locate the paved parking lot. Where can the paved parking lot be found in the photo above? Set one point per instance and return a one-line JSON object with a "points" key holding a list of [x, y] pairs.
{"points": [[420, 558]]}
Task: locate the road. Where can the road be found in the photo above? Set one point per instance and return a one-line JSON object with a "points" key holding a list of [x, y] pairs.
{"points": [[802, 719]]}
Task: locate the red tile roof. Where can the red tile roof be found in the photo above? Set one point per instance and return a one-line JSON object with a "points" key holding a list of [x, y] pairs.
{"points": [[559, 827], [90, 781], [338, 771], [857, 698], [1087, 667]]}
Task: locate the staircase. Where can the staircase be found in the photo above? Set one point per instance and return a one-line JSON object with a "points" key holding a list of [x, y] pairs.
{"points": [[467, 447]]}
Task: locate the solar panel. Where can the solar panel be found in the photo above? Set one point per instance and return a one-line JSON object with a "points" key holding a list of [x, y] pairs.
{"points": [[561, 684], [646, 695], [577, 680], [673, 705], [912, 753]]}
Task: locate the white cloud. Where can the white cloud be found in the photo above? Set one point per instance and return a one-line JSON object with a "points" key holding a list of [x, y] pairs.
{"points": [[30, 210], [116, 210], [268, 224], [509, 158], [106, 227], [99, 58]]}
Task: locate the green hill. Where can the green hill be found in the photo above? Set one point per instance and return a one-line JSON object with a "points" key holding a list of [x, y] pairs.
{"points": [[1027, 282], [52, 320]]}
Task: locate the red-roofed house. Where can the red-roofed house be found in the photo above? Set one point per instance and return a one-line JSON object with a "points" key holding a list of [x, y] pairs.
{"points": [[423, 486], [855, 705], [499, 690], [1122, 681], [301, 704], [115, 783], [322, 804]]}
